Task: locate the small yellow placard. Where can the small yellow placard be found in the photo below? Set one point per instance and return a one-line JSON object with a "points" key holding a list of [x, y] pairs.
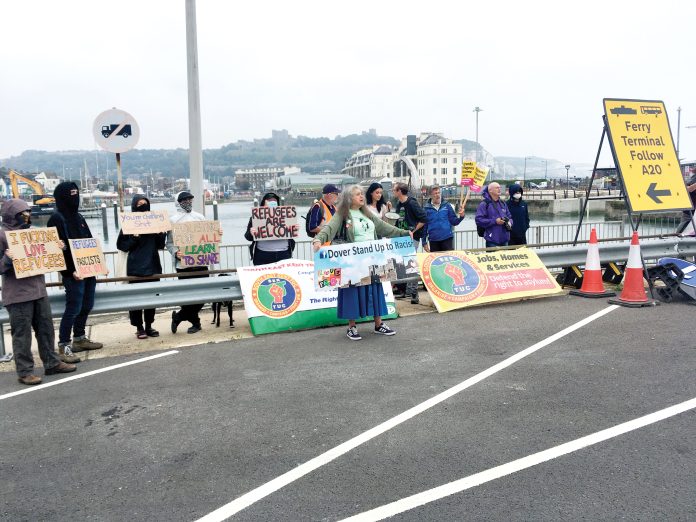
{"points": [[647, 161]]}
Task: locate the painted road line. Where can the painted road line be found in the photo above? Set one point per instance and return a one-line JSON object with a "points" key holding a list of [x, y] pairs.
{"points": [[86, 374], [431, 495], [300, 471]]}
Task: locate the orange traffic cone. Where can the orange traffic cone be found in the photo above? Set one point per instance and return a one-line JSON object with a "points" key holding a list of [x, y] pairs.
{"points": [[592, 285], [633, 293]]}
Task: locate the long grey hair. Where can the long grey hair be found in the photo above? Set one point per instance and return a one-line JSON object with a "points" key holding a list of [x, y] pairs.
{"points": [[345, 200]]}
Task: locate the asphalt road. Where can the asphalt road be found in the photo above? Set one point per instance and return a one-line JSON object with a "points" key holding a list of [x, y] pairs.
{"points": [[177, 437]]}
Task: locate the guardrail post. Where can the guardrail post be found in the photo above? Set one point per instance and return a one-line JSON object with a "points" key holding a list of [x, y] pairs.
{"points": [[116, 214], [215, 210], [105, 225]]}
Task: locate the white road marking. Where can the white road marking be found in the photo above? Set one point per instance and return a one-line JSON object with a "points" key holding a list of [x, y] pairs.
{"points": [[76, 376], [431, 495], [300, 471]]}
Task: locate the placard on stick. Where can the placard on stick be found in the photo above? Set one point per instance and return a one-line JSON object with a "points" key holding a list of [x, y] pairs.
{"points": [[88, 257], [35, 251], [198, 242], [274, 223], [151, 222]]}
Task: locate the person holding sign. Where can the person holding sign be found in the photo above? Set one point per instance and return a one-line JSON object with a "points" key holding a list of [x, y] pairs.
{"points": [[360, 225], [323, 210], [79, 292], [269, 250], [27, 304], [143, 261], [494, 217]]}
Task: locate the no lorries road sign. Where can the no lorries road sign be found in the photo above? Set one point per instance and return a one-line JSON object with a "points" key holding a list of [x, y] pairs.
{"points": [[644, 151], [116, 131]]}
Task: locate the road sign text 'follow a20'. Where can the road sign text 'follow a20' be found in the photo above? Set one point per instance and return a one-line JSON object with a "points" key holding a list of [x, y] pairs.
{"points": [[645, 155]]}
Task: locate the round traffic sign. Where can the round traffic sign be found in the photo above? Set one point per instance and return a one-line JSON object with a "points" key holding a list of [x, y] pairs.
{"points": [[116, 131]]}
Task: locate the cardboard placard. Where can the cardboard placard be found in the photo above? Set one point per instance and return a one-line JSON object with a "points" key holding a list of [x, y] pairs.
{"points": [[199, 242], [274, 223], [152, 222], [88, 257], [35, 251]]}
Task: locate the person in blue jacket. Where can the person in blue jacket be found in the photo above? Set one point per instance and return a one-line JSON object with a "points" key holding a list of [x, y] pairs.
{"points": [[494, 217], [438, 232], [520, 215]]}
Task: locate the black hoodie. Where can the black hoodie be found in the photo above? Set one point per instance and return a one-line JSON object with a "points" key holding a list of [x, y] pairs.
{"points": [[68, 221], [249, 237], [143, 256]]}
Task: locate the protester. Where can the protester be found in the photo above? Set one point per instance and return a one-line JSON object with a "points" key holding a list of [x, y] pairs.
{"points": [[324, 209], [438, 232], [360, 225], [143, 261], [494, 217], [688, 214], [79, 292], [376, 201], [519, 214], [183, 202], [27, 304], [270, 250], [412, 218]]}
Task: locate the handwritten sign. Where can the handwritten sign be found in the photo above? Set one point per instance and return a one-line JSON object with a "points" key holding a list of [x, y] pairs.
{"points": [[88, 257], [152, 222], [198, 242], [274, 223], [35, 251], [468, 171]]}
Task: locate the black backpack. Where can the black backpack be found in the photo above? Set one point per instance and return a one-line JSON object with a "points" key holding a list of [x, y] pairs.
{"points": [[309, 214], [479, 229]]}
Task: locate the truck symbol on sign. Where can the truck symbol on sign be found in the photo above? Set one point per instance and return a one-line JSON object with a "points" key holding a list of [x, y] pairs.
{"points": [[623, 110], [650, 109], [108, 129]]}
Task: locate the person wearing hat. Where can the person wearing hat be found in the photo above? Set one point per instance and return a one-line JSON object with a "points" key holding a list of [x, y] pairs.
{"points": [[688, 214], [324, 209], [183, 202]]}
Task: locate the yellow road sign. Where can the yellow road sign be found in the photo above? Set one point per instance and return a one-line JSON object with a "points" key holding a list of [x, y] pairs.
{"points": [[645, 156]]}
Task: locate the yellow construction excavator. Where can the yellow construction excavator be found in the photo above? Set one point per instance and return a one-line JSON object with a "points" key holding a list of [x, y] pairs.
{"points": [[39, 197]]}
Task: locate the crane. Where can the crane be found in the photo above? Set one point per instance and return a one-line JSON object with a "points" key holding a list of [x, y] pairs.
{"points": [[35, 186]]}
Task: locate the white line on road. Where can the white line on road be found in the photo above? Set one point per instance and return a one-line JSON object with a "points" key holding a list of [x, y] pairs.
{"points": [[86, 374], [431, 495], [300, 471]]}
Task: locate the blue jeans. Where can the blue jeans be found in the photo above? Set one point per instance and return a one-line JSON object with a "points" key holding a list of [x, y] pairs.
{"points": [[491, 244], [79, 300]]}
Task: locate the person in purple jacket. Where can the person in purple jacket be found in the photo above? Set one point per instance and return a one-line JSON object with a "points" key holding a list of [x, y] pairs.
{"points": [[494, 217]]}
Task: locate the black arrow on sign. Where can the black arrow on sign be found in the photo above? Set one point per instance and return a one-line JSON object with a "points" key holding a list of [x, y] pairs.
{"points": [[655, 194]]}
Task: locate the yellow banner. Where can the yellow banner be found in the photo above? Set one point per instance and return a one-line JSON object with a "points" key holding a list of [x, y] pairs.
{"points": [[460, 279], [646, 158], [468, 171]]}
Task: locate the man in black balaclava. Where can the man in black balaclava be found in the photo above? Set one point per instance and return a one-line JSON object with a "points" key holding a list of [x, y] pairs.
{"points": [[79, 293]]}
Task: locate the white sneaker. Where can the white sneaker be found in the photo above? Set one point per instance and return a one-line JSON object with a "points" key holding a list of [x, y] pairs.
{"points": [[353, 334], [384, 330]]}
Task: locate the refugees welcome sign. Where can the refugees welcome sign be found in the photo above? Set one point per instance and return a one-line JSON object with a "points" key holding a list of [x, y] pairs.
{"points": [[460, 279], [274, 223]]}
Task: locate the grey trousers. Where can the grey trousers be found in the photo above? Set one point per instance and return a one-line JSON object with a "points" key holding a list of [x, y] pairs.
{"points": [[23, 317]]}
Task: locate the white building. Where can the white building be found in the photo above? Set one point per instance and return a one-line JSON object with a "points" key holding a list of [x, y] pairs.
{"points": [[259, 178], [438, 159], [48, 181], [375, 162]]}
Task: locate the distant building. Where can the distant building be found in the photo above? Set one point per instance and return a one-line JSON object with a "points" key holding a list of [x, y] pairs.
{"points": [[429, 158], [259, 178], [48, 181]]}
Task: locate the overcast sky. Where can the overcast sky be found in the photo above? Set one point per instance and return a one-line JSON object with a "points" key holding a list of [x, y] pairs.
{"points": [[539, 70]]}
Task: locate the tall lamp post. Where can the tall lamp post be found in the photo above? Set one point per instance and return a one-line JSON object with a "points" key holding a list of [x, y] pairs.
{"points": [[477, 110], [567, 167], [524, 174]]}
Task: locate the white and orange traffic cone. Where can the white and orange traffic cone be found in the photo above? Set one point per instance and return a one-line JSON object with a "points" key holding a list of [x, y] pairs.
{"points": [[633, 293], [592, 284]]}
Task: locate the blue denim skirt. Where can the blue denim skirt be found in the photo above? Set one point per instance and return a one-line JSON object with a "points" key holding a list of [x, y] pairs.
{"points": [[356, 302]]}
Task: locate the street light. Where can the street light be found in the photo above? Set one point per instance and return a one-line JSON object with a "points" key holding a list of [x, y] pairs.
{"points": [[477, 110], [567, 167], [524, 174]]}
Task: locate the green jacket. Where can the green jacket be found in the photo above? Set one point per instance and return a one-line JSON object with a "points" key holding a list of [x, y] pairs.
{"points": [[333, 227]]}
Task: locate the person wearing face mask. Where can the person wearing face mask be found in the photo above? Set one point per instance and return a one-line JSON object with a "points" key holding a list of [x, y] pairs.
{"points": [[143, 261], [183, 202], [271, 250], [79, 292], [520, 215], [27, 304]]}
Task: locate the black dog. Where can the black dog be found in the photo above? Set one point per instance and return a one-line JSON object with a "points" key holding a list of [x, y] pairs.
{"points": [[217, 308]]}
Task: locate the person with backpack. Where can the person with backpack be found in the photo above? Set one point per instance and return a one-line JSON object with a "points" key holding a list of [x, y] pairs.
{"points": [[438, 232], [322, 211], [493, 219], [412, 218], [271, 250], [27, 304], [79, 292], [520, 215]]}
